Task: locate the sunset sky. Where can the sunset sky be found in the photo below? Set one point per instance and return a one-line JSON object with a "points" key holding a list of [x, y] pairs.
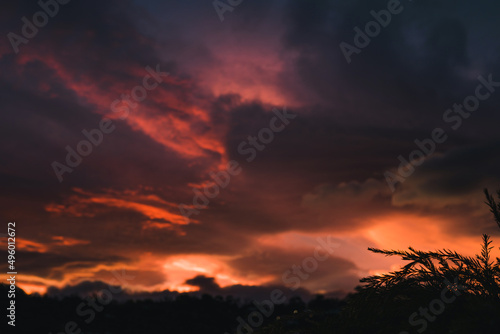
{"points": [[322, 175]]}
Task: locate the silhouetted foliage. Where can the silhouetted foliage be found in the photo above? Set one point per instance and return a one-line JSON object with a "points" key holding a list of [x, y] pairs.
{"points": [[436, 292], [186, 313], [397, 302]]}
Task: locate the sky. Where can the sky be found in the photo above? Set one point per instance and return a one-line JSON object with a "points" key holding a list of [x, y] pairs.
{"points": [[316, 128]]}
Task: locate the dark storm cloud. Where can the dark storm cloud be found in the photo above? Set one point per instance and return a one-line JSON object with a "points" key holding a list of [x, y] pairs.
{"points": [[106, 30], [100, 41], [54, 265], [92, 288], [208, 285], [461, 170], [45, 112], [452, 185], [414, 68], [354, 121], [243, 293], [334, 273], [85, 288]]}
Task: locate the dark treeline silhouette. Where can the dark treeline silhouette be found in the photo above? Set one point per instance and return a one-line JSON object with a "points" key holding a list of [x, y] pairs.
{"points": [[185, 313]]}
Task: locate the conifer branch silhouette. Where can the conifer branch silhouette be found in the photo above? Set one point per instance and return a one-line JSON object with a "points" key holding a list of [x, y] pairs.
{"points": [[480, 274]]}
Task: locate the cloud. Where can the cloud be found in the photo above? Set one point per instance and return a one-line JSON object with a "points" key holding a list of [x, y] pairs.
{"points": [[56, 266], [334, 274], [158, 213], [242, 293], [206, 284], [349, 204], [322, 174]]}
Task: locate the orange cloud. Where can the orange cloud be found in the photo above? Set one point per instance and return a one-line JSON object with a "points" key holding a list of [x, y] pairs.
{"points": [[30, 287], [30, 246], [166, 116], [151, 206], [66, 241], [180, 268]]}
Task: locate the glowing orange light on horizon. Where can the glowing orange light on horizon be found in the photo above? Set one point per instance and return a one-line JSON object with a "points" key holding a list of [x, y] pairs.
{"points": [[32, 288]]}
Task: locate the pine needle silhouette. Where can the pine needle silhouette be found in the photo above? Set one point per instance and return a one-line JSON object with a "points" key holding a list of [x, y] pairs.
{"points": [[385, 303], [462, 292], [481, 274]]}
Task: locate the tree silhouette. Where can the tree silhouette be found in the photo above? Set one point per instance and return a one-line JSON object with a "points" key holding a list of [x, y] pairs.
{"points": [[480, 274], [386, 303], [436, 292]]}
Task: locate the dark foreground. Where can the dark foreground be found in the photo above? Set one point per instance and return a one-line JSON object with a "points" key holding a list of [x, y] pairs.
{"points": [[445, 309]]}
